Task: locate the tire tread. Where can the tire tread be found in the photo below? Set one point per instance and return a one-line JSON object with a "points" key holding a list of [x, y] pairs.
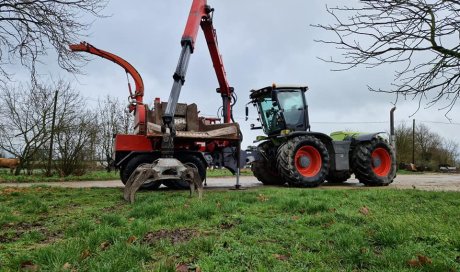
{"points": [[362, 165], [286, 162]]}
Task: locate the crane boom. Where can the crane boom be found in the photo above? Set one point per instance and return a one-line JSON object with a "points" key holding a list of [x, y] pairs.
{"points": [[139, 84], [200, 15], [224, 88]]}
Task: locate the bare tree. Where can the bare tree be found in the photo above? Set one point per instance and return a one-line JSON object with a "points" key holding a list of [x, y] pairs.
{"points": [[25, 115], [126, 120], [113, 118], [29, 28], [72, 143], [73, 131], [431, 150], [451, 154], [426, 142], [422, 36], [403, 143]]}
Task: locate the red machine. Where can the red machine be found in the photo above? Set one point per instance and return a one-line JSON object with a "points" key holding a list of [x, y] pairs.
{"points": [[173, 130]]}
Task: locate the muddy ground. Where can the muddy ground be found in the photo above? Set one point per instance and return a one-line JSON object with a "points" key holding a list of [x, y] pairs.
{"points": [[427, 181]]}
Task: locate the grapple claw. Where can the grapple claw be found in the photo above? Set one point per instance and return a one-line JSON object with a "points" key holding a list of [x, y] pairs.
{"points": [[137, 178], [162, 169]]}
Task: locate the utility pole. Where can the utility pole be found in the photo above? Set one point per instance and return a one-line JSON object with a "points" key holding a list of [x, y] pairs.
{"points": [[50, 155], [413, 142]]}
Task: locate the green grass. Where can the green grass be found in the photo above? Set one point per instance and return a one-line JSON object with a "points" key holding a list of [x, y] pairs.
{"points": [[39, 177], [268, 229], [406, 172], [6, 177], [226, 173]]}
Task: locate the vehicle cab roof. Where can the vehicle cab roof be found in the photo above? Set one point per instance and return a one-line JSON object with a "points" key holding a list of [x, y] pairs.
{"points": [[258, 92]]}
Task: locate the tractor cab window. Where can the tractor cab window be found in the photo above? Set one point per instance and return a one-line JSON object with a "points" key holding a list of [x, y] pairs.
{"points": [[270, 113], [292, 105]]}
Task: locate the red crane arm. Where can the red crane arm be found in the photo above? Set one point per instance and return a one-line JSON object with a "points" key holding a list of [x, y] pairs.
{"points": [[200, 14], [139, 92], [224, 88]]}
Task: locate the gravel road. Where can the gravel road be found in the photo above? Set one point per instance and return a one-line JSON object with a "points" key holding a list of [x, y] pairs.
{"points": [[429, 182]]}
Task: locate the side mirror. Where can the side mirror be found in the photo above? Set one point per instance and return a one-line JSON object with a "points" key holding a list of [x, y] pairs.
{"points": [[253, 127]]}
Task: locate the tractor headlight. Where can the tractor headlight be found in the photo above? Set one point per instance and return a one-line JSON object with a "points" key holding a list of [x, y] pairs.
{"points": [[285, 132], [260, 138]]}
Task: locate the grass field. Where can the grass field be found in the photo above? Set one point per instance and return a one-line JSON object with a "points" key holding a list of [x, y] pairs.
{"points": [[268, 229], [40, 177], [5, 176]]}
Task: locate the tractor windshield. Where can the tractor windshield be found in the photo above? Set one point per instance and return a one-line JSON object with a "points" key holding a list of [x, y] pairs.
{"points": [[292, 105], [269, 112], [281, 109]]}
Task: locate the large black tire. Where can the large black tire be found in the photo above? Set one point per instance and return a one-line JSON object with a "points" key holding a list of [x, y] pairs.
{"points": [[303, 161], [265, 171], [374, 163], [191, 160], [128, 169], [338, 176]]}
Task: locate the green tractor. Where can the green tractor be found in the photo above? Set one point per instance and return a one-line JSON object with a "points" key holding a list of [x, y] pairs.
{"points": [[291, 153]]}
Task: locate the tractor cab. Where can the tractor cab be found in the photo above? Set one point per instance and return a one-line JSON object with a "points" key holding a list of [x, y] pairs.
{"points": [[281, 108]]}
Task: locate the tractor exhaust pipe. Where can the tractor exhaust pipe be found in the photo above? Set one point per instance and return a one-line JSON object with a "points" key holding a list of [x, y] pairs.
{"points": [[392, 128]]}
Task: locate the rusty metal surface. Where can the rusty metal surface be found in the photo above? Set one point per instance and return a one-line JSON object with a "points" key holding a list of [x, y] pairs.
{"points": [[189, 125], [221, 132], [192, 118]]}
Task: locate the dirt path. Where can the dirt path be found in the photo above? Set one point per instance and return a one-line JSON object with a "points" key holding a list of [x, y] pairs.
{"points": [[429, 182]]}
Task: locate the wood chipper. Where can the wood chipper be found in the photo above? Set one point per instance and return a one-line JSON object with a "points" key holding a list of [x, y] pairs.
{"points": [[170, 137]]}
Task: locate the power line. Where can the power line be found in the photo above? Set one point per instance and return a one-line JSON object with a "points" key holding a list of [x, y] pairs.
{"points": [[338, 123], [329, 122], [438, 122], [367, 122]]}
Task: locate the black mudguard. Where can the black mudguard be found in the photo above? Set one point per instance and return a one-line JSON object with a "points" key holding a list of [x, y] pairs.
{"points": [[368, 137]]}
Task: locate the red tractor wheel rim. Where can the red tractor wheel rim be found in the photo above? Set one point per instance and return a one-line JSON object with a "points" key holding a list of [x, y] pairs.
{"points": [[381, 162], [308, 161]]}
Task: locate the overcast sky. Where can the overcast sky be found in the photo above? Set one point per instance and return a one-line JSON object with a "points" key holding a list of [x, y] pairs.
{"points": [[262, 42]]}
